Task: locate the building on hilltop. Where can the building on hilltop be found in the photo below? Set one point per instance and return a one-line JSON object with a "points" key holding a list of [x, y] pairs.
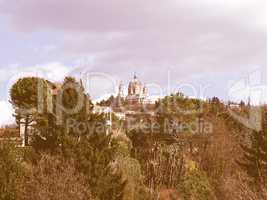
{"points": [[137, 91]]}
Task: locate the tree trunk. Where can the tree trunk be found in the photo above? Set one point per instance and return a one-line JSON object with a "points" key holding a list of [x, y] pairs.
{"points": [[26, 135]]}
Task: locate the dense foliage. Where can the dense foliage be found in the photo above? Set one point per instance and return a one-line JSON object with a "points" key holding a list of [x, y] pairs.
{"points": [[187, 149]]}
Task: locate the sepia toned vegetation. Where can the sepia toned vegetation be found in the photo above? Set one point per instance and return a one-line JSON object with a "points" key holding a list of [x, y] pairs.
{"points": [[200, 155]]}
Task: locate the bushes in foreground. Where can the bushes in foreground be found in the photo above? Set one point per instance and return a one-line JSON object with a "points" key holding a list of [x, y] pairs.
{"points": [[11, 172]]}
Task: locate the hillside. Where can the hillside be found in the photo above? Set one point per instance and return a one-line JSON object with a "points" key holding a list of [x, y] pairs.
{"points": [[176, 148]]}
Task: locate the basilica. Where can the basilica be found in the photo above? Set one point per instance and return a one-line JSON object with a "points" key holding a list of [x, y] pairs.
{"points": [[137, 91]]}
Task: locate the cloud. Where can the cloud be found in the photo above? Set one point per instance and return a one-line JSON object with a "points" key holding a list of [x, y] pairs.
{"points": [[7, 111], [150, 37], [125, 15], [190, 36], [54, 71]]}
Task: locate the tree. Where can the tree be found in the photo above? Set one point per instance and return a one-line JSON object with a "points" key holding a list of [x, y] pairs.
{"points": [[52, 127], [27, 95], [47, 136], [255, 157], [196, 185], [75, 102], [94, 156], [254, 161]]}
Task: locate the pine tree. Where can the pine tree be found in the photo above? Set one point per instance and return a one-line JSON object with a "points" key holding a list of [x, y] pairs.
{"points": [[255, 156], [49, 133], [94, 156], [27, 95]]}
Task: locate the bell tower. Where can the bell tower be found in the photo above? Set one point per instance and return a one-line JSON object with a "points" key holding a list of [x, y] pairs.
{"points": [[121, 93]]}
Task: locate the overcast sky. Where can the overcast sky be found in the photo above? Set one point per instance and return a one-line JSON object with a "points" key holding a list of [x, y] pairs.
{"points": [[209, 44]]}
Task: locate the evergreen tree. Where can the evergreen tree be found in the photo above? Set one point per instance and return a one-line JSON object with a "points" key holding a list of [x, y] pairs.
{"points": [[94, 156], [50, 132], [27, 95], [255, 156]]}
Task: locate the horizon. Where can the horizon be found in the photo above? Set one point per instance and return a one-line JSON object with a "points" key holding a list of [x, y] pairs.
{"points": [[216, 46]]}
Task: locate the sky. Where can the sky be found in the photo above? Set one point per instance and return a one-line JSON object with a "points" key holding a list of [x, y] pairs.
{"points": [[203, 47]]}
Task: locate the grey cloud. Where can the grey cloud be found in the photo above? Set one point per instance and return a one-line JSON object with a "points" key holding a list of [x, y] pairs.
{"points": [[188, 37]]}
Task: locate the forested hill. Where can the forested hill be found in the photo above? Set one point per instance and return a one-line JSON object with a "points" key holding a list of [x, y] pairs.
{"points": [[177, 148]]}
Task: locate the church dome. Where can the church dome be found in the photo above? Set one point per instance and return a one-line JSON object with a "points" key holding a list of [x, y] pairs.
{"points": [[137, 91], [135, 87]]}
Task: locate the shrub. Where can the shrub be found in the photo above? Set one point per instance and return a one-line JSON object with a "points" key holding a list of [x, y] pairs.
{"points": [[196, 186], [54, 178], [10, 172]]}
